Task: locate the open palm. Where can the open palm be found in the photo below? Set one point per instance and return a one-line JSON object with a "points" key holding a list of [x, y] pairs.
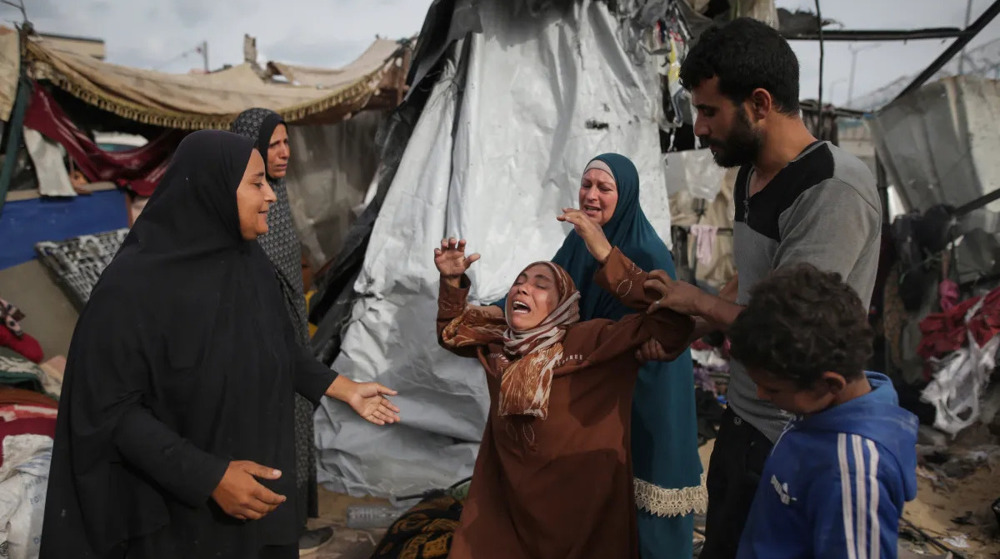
{"points": [[451, 260], [370, 402]]}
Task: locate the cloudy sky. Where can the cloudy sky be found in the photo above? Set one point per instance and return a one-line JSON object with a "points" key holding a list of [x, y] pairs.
{"points": [[156, 33]]}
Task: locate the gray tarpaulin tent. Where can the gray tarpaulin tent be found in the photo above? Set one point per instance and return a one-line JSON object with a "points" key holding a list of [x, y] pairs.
{"points": [[508, 102]]}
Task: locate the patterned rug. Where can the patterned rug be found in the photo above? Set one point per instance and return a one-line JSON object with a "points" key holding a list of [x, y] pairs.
{"points": [[78, 262]]}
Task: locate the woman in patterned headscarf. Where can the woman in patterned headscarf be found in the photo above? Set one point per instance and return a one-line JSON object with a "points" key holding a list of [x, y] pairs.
{"points": [[554, 473], [668, 488], [281, 244]]}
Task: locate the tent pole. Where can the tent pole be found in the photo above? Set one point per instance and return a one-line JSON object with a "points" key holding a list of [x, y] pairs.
{"points": [[882, 182], [819, 93], [14, 131]]}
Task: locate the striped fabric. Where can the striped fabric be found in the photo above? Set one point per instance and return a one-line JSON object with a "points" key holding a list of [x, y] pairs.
{"points": [[858, 458]]}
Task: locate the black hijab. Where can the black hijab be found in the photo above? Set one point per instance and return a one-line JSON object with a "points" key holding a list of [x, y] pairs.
{"points": [[182, 360], [281, 242]]}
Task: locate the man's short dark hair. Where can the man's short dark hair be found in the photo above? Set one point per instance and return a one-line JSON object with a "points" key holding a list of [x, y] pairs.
{"points": [[745, 54], [800, 323]]}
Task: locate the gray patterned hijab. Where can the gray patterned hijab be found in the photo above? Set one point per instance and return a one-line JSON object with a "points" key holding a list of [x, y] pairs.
{"points": [[281, 242]]}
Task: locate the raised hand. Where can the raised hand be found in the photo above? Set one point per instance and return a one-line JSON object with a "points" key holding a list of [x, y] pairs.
{"points": [[241, 496], [591, 233], [451, 260]]}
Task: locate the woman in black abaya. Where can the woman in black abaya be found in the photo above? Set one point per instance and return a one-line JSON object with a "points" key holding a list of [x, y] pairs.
{"points": [[175, 430]]}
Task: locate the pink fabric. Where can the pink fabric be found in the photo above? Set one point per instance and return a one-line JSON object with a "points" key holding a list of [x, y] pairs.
{"points": [[948, 291], [704, 236]]}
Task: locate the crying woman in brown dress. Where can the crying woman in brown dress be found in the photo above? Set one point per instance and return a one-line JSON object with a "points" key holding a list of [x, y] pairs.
{"points": [[554, 473]]}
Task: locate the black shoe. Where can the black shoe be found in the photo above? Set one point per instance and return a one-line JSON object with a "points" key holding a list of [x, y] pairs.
{"points": [[311, 540]]}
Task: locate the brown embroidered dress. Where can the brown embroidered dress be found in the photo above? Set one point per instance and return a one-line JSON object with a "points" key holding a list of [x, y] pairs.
{"points": [[559, 487]]}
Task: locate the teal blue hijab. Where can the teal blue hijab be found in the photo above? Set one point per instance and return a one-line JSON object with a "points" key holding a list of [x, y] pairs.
{"points": [[664, 424], [629, 230]]}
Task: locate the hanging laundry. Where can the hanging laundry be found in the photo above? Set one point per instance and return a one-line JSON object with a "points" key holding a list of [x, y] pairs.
{"points": [[704, 242], [948, 292]]}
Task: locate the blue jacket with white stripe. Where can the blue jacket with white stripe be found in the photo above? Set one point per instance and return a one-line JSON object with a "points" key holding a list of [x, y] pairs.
{"points": [[835, 483]]}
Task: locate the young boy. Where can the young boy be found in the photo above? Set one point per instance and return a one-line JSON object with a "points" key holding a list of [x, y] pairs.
{"points": [[836, 481]]}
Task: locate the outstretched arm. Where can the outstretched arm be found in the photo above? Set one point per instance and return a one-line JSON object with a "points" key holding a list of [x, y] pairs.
{"points": [[313, 380]]}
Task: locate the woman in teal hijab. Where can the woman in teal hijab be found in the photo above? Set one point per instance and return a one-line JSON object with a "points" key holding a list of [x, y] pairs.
{"points": [[665, 459]]}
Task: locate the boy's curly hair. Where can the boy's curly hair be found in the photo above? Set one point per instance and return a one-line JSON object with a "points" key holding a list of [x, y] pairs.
{"points": [[800, 323]]}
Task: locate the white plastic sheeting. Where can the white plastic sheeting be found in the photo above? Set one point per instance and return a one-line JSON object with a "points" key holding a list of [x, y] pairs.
{"points": [[939, 144], [960, 381], [695, 172], [497, 152]]}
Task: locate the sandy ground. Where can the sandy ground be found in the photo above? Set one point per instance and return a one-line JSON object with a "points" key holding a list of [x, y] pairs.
{"points": [[940, 502], [346, 543]]}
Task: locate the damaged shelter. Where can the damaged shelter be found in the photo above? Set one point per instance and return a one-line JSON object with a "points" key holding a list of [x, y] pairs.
{"points": [[66, 182], [937, 309], [65, 96]]}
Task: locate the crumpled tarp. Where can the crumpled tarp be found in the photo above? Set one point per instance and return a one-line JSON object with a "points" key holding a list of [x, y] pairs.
{"points": [[375, 56], [497, 152], [960, 346], [196, 101], [939, 143], [959, 384]]}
